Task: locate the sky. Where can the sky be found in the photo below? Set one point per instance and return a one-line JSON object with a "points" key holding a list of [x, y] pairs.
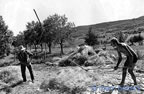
{"points": [[16, 13]]}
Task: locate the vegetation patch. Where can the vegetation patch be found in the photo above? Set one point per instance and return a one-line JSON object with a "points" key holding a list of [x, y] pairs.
{"points": [[9, 78], [55, 84]]}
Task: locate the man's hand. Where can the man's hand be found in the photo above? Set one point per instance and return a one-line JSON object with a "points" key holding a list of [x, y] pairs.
{"points": [[116, 67]]}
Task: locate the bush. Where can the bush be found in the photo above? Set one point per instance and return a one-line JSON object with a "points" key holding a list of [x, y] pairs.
{"points": [[64, 63], [77, 90], [80, 60], [53, 84], [4, 64], [139, 53], [8, 77]]}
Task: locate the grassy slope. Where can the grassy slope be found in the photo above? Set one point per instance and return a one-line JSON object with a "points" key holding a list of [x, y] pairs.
{"points": [[128, 25]]}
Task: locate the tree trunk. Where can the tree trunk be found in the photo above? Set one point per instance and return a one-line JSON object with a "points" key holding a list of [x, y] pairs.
{"points": [[45, 47], [49, 45], [35, 48], [61, 45], [14, 56], [30, 47], [41, 47]]}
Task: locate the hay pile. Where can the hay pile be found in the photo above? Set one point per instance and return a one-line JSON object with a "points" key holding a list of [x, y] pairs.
{"points": [[70, 81], [9, 77], [87, 57]]}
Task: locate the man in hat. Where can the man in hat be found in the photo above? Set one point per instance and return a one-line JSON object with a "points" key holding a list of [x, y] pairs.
{"points": [[130, 61], [24, 58]]}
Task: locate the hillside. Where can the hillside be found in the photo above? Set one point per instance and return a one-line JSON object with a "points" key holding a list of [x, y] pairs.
{"points": [[128, 26]]}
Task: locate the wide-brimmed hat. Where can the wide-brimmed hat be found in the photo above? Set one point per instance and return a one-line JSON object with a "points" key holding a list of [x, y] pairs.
{"points": [[21, 47]]}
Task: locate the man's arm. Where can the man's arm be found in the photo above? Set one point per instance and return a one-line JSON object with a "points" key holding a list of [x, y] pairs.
{"points": [[119, 60], [29, 53]]}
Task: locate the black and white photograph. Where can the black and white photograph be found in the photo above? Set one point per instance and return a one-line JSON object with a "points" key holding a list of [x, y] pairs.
{"points": [[71, 46]]}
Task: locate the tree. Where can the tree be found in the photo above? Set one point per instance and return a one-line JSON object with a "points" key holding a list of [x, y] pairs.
{"points": [[50, 26], [134, 38], [57, 30], [8, 41], [19, 40], [4, 37], [64, 30], [140, 29], [28, 33], [32, 35], [91, 38]]}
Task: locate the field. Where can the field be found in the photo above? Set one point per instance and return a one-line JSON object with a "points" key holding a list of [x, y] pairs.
{"points": [[51, 79]]}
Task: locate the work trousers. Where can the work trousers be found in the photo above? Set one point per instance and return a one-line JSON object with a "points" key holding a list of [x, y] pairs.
{"points": [[23, 71]]}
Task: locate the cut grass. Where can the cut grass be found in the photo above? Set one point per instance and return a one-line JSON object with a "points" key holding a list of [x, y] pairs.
{"points": [[54, 84], [60, 87], [9, 78]]}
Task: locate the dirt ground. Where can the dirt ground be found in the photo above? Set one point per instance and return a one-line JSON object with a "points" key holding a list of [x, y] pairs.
{"points": [[74, 77], [72, 80]]}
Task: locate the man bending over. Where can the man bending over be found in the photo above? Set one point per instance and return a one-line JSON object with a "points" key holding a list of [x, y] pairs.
{"points": [[130, 61]]}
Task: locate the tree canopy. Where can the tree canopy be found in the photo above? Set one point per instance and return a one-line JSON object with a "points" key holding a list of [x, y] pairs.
{"points": [[6, 37], [55, 29]]}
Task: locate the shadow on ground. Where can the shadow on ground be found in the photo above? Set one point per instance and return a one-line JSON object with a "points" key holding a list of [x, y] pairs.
{"points": [[8, 89]]}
